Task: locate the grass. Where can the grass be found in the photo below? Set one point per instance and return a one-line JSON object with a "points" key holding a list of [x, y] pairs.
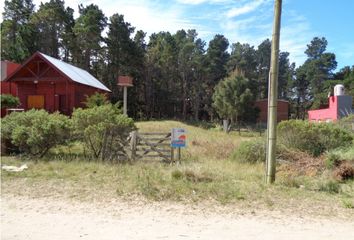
{"points": [[206, 173]]}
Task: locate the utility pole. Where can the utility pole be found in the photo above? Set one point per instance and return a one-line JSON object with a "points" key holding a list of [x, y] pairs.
{"points": [[273, 96]]}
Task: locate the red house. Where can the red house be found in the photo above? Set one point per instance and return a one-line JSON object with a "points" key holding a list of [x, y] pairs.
{"points": [[7, 68], [340, 105], [282, 110], [44, 82]]}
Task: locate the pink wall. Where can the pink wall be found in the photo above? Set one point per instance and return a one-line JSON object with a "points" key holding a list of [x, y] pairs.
{"points": [[328, 114]]}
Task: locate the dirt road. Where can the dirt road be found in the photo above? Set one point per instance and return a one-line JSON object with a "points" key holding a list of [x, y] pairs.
{"points": [[43, 219]]}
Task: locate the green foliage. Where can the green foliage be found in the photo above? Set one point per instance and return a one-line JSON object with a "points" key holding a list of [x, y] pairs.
{"points": [[344, 153], [103, 130], [319, 64], [329, 186], [17, 38], [121, 51], [332, 160], [9, 101], [36, 131], [232, 98], [52, 23], [87, 30], [314, 138], [347, 123], [95, 100], [252, 151]]}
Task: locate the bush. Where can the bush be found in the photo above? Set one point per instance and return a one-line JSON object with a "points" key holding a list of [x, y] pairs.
{"points": [[36, 131], [314, 138], [329, 186], [95, 100], [9, 101], [344, 171], [332, 160], [103, 130], [347, 122], [250, 151]]}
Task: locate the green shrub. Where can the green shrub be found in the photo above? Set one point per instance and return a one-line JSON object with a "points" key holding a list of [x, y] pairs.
{"points": [[36, 131], [9, 101], [177, 174], [103, 130], [314, 138], [250, 151], [95, 100], [344, 153], [192, 176], [329, 186], [347, 122], [332, 160]]}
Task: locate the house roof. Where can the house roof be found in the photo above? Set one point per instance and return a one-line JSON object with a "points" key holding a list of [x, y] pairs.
{"points": [[74, 73]]}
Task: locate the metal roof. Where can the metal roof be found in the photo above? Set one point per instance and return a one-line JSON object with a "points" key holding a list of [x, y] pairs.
{"points": [[76, 74]]}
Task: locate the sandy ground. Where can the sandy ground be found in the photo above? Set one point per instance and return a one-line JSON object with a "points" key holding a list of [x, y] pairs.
{"points": [[48, 218]]}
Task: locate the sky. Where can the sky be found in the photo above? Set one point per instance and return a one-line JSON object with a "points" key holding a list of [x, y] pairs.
{"points": [[245, 21]]}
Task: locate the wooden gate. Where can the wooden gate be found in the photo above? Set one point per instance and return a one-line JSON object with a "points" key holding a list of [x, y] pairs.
{"points": [[151, 146]]}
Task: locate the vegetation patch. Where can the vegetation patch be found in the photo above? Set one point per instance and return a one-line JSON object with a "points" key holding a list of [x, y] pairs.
{"points": [[192, 176], [313, 138], [252, 151], [345, 171], [9, 101], [297, 163], [34, 132]]}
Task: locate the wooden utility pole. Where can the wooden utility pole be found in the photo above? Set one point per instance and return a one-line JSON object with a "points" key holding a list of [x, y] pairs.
{"points": [[273, 96]]}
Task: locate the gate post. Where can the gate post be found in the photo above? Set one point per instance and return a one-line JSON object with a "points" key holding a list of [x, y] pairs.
{"points": [[133, 142]]}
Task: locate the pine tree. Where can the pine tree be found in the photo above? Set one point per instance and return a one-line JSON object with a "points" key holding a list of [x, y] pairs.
{"points": [[88, 39], [50, 23], [17, 37], [233, 98]]}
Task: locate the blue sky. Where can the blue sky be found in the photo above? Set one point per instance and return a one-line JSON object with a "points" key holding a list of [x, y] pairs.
{"points": [[244, 21]]}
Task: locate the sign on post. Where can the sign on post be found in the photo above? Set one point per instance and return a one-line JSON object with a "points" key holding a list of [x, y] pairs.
{"points": [[178, 138]]}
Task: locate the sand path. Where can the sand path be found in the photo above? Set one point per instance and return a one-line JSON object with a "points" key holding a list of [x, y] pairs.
{"points": [[54, 219]]}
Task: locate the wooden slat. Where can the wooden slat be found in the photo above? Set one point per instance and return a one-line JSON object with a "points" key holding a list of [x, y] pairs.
{"points": [[156, 133], [154, 156], [156, 144], [148, 149], [155, 139]]}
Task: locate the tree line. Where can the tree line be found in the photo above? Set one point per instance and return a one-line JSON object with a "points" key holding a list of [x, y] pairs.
{"points": [[175, 74]]}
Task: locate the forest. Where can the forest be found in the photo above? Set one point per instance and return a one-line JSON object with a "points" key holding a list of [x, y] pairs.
{"points": [[175, 74]]}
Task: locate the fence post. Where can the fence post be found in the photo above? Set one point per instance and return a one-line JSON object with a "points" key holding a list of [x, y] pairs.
{"points": [[133, 141], [172, 154]]}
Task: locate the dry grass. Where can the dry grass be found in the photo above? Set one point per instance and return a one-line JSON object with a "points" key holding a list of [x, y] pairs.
{"points": [[205, 174], [202, 143]]}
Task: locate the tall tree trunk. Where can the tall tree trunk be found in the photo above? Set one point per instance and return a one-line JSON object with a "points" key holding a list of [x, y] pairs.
{"points": [[184, 95]]}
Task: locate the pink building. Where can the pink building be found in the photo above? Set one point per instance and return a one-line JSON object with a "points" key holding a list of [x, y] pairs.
{"points": [[340, 106]]}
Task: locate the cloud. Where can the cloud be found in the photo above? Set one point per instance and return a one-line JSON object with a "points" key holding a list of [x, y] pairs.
{"points": [[197, 2], [247, 8], [149, 16]]}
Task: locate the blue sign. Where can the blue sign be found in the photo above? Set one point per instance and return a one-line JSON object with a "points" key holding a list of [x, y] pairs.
{"points": [[178, 137]]}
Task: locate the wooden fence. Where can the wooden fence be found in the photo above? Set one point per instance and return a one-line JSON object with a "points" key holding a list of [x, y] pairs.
{"points": [[150, 146]]}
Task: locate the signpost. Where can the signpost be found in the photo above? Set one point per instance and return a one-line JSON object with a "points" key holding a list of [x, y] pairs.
{"points": [[125, 82], [178, 140]]}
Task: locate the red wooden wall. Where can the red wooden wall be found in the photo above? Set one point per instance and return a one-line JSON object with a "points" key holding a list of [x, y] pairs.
{"points": [[37, 77], [282, 110]]}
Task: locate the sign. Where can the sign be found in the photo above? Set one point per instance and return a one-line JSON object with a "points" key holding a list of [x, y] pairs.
{"points": [[178, 137]]}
